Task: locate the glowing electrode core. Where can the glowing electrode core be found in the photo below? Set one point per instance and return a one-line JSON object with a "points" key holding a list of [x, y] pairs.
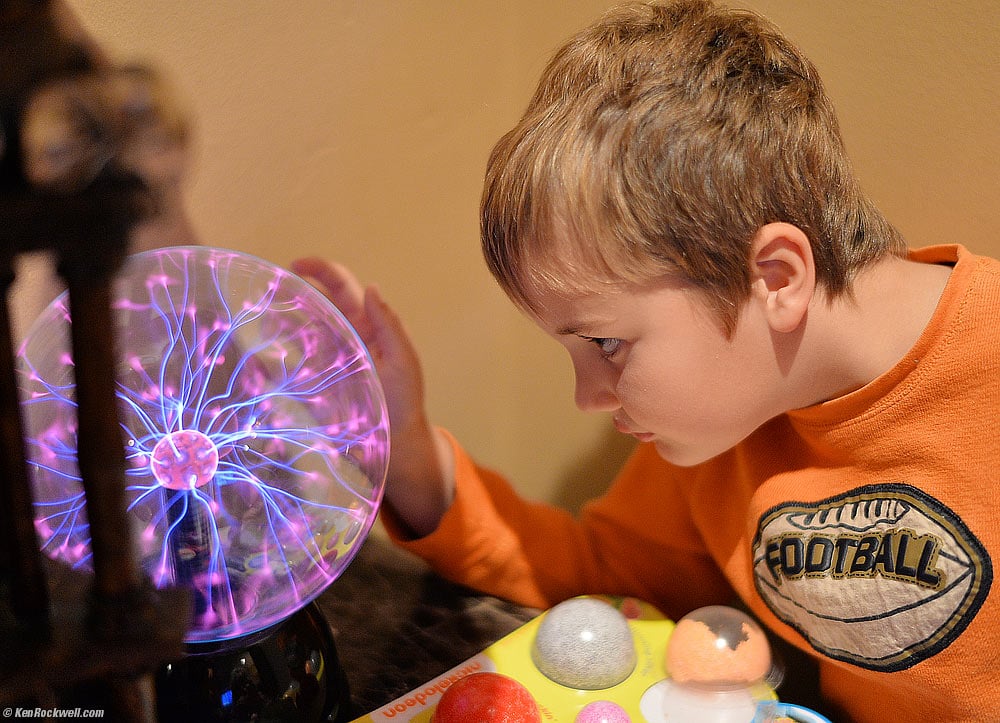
{"points": [[184, 460]]}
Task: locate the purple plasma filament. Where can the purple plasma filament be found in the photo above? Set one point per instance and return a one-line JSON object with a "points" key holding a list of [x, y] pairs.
{"points": [[255, 427], [184, 459]]}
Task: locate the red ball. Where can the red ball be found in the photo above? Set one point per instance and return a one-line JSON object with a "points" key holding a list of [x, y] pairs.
{"points": [[486, 698]]}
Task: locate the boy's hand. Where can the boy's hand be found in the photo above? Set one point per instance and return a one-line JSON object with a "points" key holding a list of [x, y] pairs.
{"points": [[420, 480], [382, 332]]}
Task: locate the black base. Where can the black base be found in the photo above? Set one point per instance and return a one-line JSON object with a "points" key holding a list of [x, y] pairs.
{"points": [[291, 673]]}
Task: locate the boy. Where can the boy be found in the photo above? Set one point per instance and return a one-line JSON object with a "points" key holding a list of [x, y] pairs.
{"points": [[816, 405]]}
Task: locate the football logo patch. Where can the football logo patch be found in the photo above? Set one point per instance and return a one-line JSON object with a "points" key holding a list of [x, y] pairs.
{"points": [[882, 577]]}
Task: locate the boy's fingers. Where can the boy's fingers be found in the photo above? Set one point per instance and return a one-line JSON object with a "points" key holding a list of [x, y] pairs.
{"points": [[383, 321], [339, 284], [390, 335]]}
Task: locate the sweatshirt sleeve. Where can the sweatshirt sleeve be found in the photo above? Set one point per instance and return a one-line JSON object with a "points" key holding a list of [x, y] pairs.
{"points": [[635, 540]]}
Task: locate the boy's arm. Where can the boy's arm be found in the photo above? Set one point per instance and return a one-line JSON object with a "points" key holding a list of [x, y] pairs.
{"points": [[635, 540]]}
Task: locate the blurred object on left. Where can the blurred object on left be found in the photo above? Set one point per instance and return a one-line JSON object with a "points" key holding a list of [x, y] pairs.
{"points": [[73, 129], [88, 152], [69, 114]]}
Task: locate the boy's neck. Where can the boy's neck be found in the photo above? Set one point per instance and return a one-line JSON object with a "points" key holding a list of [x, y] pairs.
{"points": [[854, 340]]}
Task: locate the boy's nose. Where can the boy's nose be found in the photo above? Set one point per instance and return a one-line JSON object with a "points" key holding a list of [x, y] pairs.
{"points": [[594, 393]]}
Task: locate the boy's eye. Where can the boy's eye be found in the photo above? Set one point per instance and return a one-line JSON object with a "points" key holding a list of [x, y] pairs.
{"points": [[607, 345]]}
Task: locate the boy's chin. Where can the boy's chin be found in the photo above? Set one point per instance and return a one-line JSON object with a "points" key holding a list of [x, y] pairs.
{"points": [[684, 456]]}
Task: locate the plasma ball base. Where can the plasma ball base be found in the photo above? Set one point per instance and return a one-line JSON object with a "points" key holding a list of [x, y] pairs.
{"points": [[288, 673]]}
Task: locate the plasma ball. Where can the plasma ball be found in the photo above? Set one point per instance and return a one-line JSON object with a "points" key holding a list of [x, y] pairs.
{"points": [[257, 434], [184, 460]]}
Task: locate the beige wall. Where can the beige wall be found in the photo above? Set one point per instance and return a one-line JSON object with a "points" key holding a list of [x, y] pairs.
{"points": [[358, 129]]}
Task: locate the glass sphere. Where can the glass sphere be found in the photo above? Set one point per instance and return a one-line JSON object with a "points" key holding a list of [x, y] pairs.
{"points": [[255, 430]]}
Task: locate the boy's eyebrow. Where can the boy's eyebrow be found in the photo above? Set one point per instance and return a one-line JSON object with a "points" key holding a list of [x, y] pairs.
{"points": [[574, 329], [583, 327]]}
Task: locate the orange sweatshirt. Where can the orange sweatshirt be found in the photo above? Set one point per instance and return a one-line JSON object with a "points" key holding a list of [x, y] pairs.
{"points": [[860, 529]]}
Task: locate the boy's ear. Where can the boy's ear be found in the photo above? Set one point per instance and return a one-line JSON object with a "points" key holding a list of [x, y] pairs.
{"points": [[783, 274]]}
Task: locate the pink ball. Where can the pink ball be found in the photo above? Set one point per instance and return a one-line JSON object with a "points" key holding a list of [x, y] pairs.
{"points": [[602, 711]]}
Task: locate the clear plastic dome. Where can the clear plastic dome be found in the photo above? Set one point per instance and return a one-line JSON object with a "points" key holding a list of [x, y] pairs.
{"points": [[255, 427]]}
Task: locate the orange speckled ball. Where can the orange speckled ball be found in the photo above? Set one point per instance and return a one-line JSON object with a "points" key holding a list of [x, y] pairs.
{"points": [[718, 647]]}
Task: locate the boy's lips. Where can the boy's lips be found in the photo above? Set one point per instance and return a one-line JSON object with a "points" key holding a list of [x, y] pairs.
{"points": [[624, 428]]}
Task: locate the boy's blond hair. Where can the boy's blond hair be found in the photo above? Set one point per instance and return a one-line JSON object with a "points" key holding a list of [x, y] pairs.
{"points": [[658, 141]]}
